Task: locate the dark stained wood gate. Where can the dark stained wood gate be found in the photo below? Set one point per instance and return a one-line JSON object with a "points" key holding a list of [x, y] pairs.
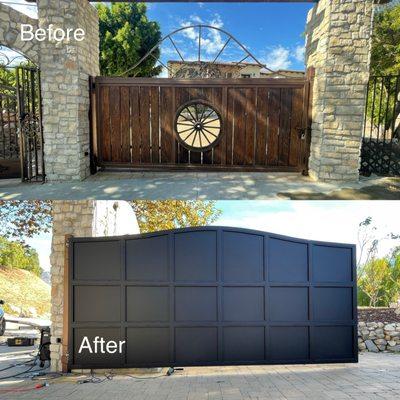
{"points": [[265, 123]]}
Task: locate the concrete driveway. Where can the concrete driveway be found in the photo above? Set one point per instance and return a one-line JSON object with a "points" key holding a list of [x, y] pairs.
{"points": [[202, 185], [376, 376]]}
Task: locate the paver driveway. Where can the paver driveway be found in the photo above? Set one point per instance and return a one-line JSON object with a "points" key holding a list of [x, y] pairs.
{"points": [[376, 376], [202, 186]]}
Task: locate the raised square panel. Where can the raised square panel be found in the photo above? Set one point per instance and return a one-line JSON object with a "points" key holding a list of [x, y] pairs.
{"points": [[147, 304], [196, 345], [196, 256], [85, 359], [97, 260], [287, 261], [243, 304], [242, 257], [147, 259], [288, 343], [195, 304], [288, 304], [148, 346], [331, 264], [244, 344], [332, 342], [332, 304], [97, 303]]}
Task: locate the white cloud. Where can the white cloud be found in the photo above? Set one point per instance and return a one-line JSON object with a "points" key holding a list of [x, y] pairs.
{"points": [[22, 6], [299, 53], [212, 40], [278, 58]]}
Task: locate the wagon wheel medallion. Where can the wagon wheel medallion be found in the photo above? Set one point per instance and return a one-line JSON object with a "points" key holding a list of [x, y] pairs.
{"points": [[198, 125]]}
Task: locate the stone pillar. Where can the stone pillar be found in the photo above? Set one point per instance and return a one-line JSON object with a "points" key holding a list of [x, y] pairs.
{"points": [[69, 218], [338, 37], [65, 69]]}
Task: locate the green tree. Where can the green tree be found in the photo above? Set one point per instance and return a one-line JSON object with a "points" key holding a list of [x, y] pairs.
{"points": [[7, 76], [126, 35], [379, 282], [385, 60], [170, 214], [19, 255]]}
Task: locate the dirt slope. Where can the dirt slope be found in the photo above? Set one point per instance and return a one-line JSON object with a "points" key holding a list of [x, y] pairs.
{"points": [[24, 293]]}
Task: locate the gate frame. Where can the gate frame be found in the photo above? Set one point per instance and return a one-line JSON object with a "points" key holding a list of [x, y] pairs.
{"points": [[305, 131], [67, 340]]}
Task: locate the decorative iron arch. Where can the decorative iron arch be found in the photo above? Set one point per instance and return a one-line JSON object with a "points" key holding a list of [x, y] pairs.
{"points": [[200, 28]]}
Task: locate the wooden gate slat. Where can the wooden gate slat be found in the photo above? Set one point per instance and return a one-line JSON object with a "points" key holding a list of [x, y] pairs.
{"points": [[104, 125], [296, 122], [155, 125], [135, 124], [273, 126], [284, 129], [219, 149], [182, 97], [144, 105], [261, 126], [230, 110], [250, 125], [166, 120], [125, 126], [115, 123], [239, 140]]}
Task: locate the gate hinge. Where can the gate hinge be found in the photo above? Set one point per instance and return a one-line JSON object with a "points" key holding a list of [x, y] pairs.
{"points": [[92, 86]]}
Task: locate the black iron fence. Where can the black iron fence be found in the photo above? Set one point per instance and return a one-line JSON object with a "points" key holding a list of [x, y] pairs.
{"points": [[21, 139], [380, 152]]}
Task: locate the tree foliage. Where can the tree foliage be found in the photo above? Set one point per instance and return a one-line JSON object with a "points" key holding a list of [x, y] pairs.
{"points": [[28, 218], [18, 255], [378, 278], [379, 282], [24, 218], [126, 35], [170, 214], [383, 100]]}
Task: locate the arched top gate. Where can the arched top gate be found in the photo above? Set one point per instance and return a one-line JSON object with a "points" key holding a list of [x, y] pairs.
{"points": [[211, 296]]}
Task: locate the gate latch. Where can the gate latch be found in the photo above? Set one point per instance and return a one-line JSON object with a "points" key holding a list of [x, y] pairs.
{"points": [[302, 132]]}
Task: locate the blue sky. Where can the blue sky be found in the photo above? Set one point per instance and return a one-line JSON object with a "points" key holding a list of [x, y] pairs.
{"points": [[332, 221], [272, 32]]}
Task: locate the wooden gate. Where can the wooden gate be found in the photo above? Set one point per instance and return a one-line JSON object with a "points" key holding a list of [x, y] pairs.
{"points": [[246, 124]]}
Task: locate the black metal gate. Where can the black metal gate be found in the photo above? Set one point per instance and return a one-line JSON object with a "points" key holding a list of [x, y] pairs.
{"points": [[21, 138], [380, 152], [211, 296]]}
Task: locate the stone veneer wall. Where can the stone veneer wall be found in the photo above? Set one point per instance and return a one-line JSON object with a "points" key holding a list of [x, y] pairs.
{"points": [[10, 27], [338, 47], [69, 218], [379, 336], [65, 70]]}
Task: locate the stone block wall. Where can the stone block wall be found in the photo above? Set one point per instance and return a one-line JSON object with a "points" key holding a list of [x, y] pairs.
{"points": [[338, 47], [65, 70], [69, 218], [379, 336]]}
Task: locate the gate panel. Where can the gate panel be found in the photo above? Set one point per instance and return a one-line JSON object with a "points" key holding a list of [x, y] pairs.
{"points": [[261, 121], [212, 296]]}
